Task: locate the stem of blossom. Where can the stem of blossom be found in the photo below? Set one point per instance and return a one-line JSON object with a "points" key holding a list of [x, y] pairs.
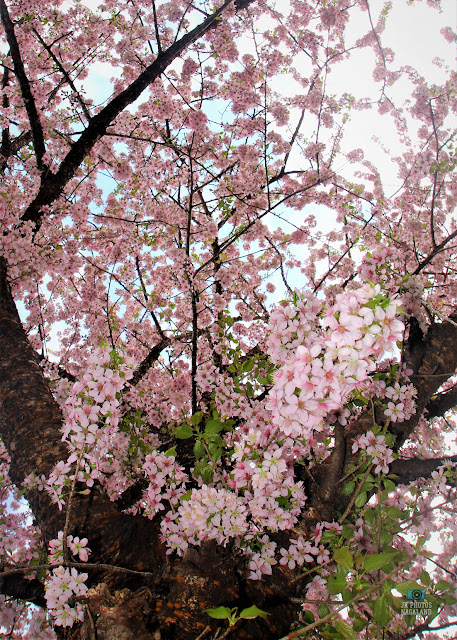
{"points": [[327, 618], [353, 499], [306, 573], [378, 521], [418, 514], [271, 438], [350, 473], [437, 313], [67, 516], [451, 573], [76, 565], [203, 633], [93, 631], [194, 351]]}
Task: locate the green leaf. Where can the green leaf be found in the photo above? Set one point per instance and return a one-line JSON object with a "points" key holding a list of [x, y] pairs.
{"points": [[343, 557], [199, 449], [407, 585], [348, 488], [386, 538], [389, 485], [214, 438], [253, 612], [228, 424], [396, 603], [170, 452], [213, 426], [381, 613], [361, 499], [308, 616], [248, 365], [199, 467], [425, 578], [197, 418], [378, 560], [359, 625], [345, 629], [207, 474], [420, 543], [395, 514], [183, 432], [215, 451], [323, 611], [336, 584], [221, 613], [443, 585], [370, 516], [347, 595]]}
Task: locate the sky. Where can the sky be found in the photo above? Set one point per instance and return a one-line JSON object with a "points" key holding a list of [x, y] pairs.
{"points": [[413, 33]]}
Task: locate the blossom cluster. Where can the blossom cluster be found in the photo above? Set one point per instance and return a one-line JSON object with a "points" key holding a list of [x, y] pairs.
{"points": [[325, 356], [62, 587], [376, 448], [289, 326], [92, 422], [167, 481], [330, 364], [209, 514], [400, 405], [63, 584], [263, 552], [78, 547]]}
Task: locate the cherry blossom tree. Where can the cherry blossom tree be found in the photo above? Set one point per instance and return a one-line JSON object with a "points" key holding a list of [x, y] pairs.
{"points": [[219, 419]]}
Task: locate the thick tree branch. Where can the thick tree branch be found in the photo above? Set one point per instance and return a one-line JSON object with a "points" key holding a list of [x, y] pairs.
{"points": [[18, 587], [433, 359], [155, 352], [149, 360], [52, 186], [6, 136], [441, 403], [14, 146], [26, 92], [411, 469], [436, 250], [63, 373], [334, 466]]}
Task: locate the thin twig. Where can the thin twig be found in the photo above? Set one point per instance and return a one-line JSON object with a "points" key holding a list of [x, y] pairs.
{"points": [[327, 618], [77, 565], [354, 497]]}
